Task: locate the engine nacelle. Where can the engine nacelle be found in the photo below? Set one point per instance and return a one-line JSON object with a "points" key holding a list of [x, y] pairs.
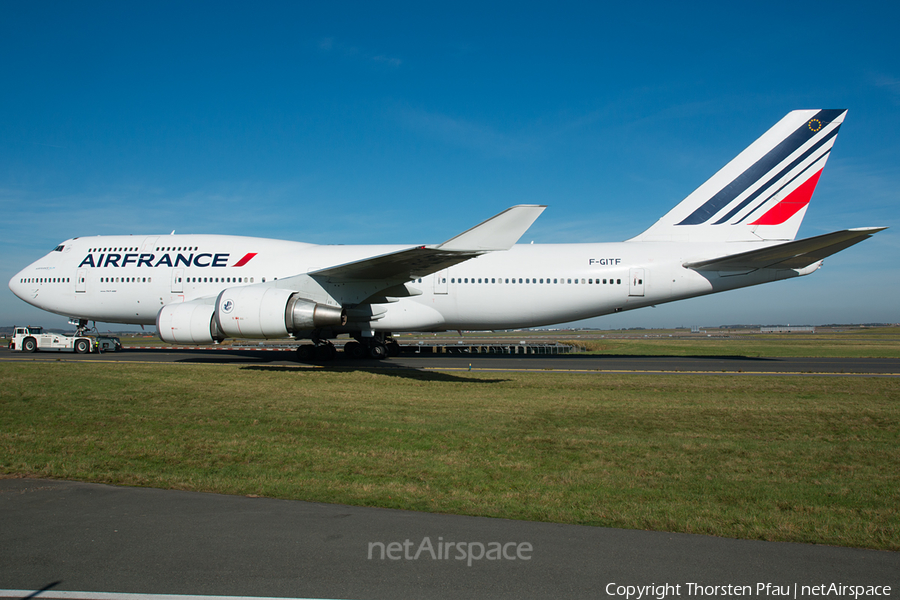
{"points": [[267, 312], [188, 323]]}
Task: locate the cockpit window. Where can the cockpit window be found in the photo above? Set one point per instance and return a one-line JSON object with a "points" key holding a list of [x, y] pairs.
{"points": [[59, 248]]}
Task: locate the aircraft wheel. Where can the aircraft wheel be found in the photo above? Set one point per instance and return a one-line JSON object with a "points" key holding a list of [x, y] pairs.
{"points": [[393, 349], [306, 352], [29, 345], [355, 350], [325, 352], [378, 351], [82, 346]]}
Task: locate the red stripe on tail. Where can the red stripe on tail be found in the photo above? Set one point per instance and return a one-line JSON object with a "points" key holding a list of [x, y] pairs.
{"points": [[788, 207]]}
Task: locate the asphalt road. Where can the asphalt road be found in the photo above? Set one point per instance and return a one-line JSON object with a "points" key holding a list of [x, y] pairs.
{"points": [[531, 362], [96, 538]]}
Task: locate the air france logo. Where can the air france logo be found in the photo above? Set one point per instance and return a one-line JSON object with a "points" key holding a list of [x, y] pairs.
{"points": [[227, 306], [203, 259]]}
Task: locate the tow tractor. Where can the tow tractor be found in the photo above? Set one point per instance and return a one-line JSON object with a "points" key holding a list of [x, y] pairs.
{"points": [[32, 339]]}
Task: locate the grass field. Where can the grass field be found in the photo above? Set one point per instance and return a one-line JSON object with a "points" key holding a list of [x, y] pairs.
{"points": [[806, 459]]}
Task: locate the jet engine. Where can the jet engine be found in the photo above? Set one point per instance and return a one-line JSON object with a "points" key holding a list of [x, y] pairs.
{"points": [[188, 323], [267, 312], [244, 312]]}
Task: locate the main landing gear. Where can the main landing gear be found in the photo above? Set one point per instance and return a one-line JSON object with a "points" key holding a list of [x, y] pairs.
{"points": [[378, 347], [317, 352]]}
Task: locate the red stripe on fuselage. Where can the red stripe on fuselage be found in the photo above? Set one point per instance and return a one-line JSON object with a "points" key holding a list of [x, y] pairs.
{"points": [[245, 260]]}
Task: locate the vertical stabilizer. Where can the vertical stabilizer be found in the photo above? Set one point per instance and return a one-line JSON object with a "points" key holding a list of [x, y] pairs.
{"points": [[763, 193]]}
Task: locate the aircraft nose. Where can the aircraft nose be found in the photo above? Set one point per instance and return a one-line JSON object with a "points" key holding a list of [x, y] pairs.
{"points": [[16, 285]]}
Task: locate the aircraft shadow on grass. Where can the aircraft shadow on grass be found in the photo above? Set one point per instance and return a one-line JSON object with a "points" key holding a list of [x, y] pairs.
{"points": [[261, 357], [401, 372]]}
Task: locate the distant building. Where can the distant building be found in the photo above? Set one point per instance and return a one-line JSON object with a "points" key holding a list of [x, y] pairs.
{"points": [[788, 329]]}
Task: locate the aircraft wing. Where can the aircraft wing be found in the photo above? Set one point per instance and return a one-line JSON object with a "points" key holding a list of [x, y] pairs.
{"points": [[790, 255], [499, 232]]}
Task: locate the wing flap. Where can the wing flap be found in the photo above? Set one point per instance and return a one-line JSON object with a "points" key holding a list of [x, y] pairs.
{"points": [[790, 255]]}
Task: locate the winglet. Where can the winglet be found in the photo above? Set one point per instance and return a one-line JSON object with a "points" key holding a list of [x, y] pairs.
{"points": [[499, 232]]}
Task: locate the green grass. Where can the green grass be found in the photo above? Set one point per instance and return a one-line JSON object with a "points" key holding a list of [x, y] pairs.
{"points": [[806, 459]]}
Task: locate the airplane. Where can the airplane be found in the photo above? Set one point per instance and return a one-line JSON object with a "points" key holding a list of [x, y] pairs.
{"points": [[734, 231]]}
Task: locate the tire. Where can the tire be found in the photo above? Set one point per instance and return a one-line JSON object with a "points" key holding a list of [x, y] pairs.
{"points": [[393, 349], [325, 352], [378, 352], [355, 350], [29, 345], [82, 346], [306, 352]]}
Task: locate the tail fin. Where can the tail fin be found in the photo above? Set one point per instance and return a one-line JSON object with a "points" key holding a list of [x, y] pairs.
{"points": [[763, 193]]}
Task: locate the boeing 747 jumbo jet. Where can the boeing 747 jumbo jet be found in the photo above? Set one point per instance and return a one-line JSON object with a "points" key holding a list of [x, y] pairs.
{"points": [[735, 230]]}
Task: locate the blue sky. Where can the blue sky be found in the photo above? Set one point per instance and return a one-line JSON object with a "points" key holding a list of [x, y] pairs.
{"points": [[390, 122]]}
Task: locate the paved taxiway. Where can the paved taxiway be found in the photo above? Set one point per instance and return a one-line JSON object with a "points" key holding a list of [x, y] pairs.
{"points": [[99, 538], [499, 362]]}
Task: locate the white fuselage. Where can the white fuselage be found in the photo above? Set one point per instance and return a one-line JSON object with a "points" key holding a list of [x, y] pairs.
{"points": [[128, 279]]}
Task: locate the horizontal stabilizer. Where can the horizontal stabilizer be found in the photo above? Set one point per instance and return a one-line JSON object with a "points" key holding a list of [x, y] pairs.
{"points": [[499, 232], [790, 255]]}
